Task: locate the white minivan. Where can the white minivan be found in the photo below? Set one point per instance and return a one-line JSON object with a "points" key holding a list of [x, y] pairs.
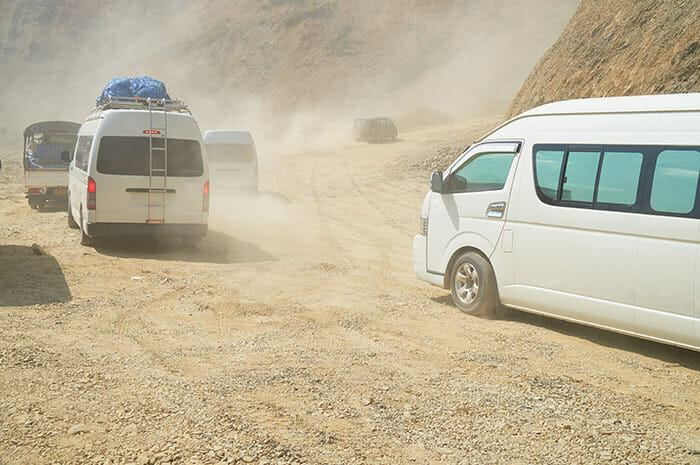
{"points": [[139, 167], [233, 161], [584, 210]]}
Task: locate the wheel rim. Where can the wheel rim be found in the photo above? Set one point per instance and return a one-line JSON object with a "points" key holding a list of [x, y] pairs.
{"points": [[467, 283]]}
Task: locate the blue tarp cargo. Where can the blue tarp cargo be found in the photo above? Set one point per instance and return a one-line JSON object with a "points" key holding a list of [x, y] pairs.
{"points": [[143, 86]]}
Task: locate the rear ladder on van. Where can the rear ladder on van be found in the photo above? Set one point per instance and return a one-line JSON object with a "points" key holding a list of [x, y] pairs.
{"points": [[158, 176]]}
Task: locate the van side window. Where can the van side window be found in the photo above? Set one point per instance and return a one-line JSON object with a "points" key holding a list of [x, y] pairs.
{"points": [[580, 176], [548, 171], [485, 172], [82, 152], [675, 183], [619, 178]]}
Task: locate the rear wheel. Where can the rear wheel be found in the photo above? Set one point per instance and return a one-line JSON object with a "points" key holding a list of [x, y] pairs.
{"points": [[473, 285], [84, 238], [71, 221]]}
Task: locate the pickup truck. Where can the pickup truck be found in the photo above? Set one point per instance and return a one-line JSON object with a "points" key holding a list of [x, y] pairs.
{"points": [[47, 147]]}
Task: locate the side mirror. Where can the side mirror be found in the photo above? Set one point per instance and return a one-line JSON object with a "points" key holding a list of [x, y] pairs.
{"points": [[436, 182], [65, 156]]}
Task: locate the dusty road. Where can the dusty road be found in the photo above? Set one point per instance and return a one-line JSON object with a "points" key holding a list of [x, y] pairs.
{"points": [[298, 334]]}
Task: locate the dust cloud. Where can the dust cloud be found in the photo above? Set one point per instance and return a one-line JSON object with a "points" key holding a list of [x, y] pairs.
{"points": [[295, 73]]}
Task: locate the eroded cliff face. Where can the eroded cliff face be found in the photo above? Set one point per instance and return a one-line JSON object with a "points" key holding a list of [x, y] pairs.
{"points": [[619, 47], [274, 59]]}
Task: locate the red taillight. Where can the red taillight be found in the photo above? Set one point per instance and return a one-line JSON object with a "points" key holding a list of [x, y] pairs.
{"points": [[151, 131], [205, 200], [36, 190], [91, 194]]}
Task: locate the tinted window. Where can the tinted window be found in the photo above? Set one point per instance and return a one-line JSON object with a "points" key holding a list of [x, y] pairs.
{"points": [[619, 178], [548, 170], [230, 153], [485, 172], [82, 152], [580, 176], [675, 183], [130, 156]]}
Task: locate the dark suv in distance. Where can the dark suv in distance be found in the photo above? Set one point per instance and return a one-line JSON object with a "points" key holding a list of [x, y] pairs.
{"points": [[374, 130]]}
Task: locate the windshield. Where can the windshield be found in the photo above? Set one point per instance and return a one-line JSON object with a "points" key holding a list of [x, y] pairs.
{"points": [[128, 156]]}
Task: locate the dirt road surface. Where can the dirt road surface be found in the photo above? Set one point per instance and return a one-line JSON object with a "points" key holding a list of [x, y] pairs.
{"points": [[297, 333]]}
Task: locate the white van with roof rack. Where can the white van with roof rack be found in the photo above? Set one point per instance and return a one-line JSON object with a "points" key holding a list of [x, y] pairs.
{"points": [[584, 210], [139, 167], [233, 161]]}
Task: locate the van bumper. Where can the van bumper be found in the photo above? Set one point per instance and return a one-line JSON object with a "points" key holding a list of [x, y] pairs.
{"points": [[143, 229], [420, 268], [50, 193]]}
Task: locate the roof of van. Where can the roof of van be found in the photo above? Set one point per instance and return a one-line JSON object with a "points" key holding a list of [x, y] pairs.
{"points": [[642, 103], [632, 104], [227, 136]]}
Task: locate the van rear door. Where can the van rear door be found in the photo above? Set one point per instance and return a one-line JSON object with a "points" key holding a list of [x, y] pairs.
{"points": [[132, 186], [232, 165]]}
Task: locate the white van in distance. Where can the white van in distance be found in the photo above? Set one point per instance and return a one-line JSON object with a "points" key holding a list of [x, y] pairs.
{"points": [[584, 210], [139, 168], [233, 161]]}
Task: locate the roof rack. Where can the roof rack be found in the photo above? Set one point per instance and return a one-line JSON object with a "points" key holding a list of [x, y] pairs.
{"points": [[141, 103]]}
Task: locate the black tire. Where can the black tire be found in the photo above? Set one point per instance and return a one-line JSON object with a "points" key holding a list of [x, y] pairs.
{"points": [[84, 238], [473, 285], [72, 224]]}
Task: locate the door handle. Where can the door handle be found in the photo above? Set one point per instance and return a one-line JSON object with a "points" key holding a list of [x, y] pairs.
{"points": [[154, 190], [496, 210]]}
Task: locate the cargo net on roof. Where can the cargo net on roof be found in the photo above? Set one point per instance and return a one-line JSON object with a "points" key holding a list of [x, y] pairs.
{"points": [[143, 87]]}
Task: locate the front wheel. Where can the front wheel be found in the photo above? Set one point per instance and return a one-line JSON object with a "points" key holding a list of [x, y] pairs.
{"points": [[473, 285]]}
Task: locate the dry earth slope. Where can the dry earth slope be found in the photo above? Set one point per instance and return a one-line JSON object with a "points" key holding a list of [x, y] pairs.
{"points": [[619, 47]]}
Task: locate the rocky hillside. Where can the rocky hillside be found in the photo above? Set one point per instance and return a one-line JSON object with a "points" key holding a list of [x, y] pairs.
{"points": [[619, 47], [274, 62]]}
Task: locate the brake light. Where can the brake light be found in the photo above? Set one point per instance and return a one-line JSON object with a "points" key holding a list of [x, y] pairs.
{"points": [[36, 190], [150, 131], [205, 199], [91, 194]]}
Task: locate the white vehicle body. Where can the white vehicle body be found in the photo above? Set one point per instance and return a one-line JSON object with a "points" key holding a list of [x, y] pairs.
{"points": [[233, 161], [132, 196], [46, 178], [595, 220]]}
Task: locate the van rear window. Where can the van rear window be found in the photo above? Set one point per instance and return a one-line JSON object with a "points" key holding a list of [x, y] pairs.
{"points": [[230, 153], [129, 156]]}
